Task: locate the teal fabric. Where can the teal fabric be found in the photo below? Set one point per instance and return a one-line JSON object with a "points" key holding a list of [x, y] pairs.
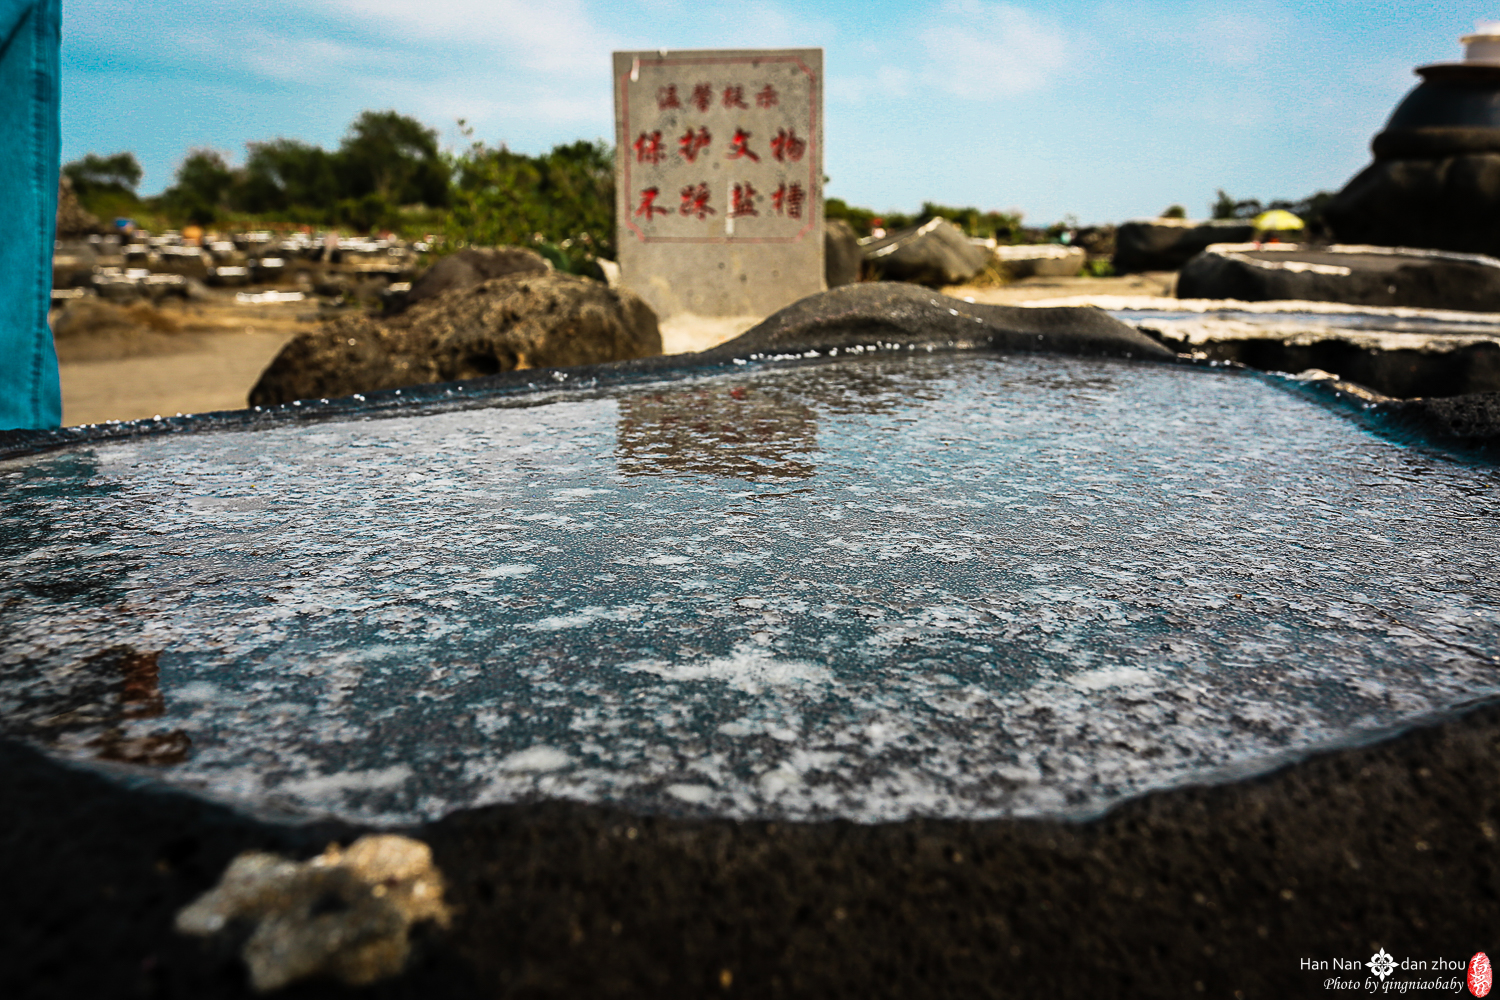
{"points": [[30, 52]]}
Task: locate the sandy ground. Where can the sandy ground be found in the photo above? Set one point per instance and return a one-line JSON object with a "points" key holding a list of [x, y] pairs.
{"points": [[224, 346], [210, 363], [215, 375]]}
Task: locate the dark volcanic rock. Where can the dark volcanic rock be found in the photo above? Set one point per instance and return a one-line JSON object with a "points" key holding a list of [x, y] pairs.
{"points": [[1167, 244], [523, 321], [934, 253], [1421, 279], [474, 266], [1447, 202], [1471, 420], [871, 312], [1392, 845], [841, 254], [1414, 365]]}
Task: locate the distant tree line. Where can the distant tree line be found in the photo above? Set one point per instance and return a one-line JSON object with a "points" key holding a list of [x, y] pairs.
{"points": [[385, 161], [389, 172], [1309, 209], [1005, 227]]}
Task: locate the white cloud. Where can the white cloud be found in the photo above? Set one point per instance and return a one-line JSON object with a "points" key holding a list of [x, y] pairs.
{"points": [[557, 36], [982, 51]]}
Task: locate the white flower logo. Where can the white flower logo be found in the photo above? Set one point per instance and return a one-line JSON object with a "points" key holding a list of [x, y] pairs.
{"points": [[1382, 964]]}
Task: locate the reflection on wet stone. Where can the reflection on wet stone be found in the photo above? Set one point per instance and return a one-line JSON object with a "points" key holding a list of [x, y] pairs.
{"points": [[734, 431], [97, 705]]}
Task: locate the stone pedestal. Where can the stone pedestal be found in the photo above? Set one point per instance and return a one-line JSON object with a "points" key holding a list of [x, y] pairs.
{"points": [[718, 176]]}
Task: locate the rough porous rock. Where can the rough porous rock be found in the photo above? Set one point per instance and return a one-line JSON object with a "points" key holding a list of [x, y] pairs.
{"points": [[344, 914], [841, 255], [1397, 277], [1472, 419], [1167, 244], [1446, 202], [856, 316], [934, 253], [474, 266], [523, 321]]}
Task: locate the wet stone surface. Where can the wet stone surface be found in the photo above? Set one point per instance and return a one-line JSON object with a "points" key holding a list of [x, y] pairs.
{"points": [[963, 587]]}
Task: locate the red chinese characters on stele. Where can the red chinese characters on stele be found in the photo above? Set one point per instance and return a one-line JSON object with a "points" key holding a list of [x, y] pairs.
{"points": [[1481, 976], [788, 200], [739, 146], [786, 145], [648, 148], [695, 201], [753, 129], [693, 143], [648, 206]]}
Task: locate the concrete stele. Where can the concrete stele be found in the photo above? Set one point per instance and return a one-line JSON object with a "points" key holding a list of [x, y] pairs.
{"points": [[718, 171]]}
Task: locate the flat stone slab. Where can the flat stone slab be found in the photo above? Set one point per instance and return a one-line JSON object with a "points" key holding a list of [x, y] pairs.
{"points": [[1358, 275], [1396, 351], [958, 586]]}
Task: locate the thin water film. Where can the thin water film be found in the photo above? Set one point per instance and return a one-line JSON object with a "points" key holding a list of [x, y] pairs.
{"points": [[953, 587]]}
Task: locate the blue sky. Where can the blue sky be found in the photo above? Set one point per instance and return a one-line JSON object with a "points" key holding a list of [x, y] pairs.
{"points": [[1104, 110]]}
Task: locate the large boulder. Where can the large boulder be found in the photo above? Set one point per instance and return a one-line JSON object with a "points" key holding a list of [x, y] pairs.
{"points": [[72, 218], [856, 317], [1041, 260], [934, 253], [1447, 199], [1372, 276], [473, 266], [1167, 244], [522, 321], [841, 256]]}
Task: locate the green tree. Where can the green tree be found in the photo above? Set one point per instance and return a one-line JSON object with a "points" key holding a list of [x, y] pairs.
{"points": [[1003, 226], [285, 175], [1225, 207], [119, 173], [204, 181], [563, 201], [394, 157]]}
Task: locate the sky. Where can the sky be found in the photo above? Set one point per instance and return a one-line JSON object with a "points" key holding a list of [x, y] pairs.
{"points": [[1100, 111]]}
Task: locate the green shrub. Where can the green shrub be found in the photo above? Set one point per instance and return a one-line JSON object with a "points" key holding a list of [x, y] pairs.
{"points": [[561, 203]]}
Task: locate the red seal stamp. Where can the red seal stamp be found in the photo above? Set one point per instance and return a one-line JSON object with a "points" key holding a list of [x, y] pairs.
{"points": [[1481, 976]]}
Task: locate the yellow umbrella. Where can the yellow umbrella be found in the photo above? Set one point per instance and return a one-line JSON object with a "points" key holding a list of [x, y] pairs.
{"points": [[1278, 218]]}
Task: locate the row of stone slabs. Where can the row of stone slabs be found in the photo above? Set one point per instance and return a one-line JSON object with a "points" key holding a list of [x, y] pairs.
{"points": [[959, 586]]}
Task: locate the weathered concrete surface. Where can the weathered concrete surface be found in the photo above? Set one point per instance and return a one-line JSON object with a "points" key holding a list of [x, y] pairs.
{"points": [[856, 315], [522, 321], [1395, 846], [934, 253], [1358, 275], [1167, 244]]}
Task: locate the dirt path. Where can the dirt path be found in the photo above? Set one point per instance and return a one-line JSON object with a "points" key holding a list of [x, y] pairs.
{"points": [[216, 374]]}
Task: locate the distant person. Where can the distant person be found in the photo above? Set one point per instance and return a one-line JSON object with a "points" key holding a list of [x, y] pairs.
{"points": [[30, 47]]}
